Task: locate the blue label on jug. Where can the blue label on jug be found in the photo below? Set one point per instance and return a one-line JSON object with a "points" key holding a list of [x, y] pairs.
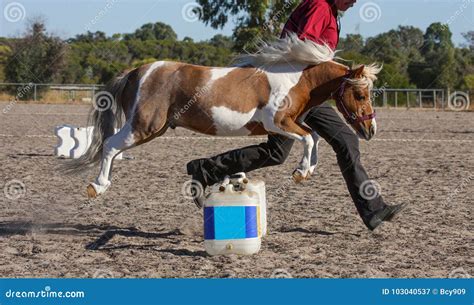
{"points": [[230, 222]]}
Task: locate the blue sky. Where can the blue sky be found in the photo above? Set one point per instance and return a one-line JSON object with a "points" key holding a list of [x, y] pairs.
{"points": [[369, 17]]}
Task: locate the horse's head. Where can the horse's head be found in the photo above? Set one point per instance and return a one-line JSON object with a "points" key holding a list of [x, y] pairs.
{"points": [[354, 101]]}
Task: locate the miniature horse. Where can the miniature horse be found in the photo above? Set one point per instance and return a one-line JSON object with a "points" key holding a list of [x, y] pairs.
{"points": [[267, 92]]}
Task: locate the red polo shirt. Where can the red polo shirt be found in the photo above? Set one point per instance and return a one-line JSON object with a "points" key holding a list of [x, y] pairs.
{"points": [[315, 20]]}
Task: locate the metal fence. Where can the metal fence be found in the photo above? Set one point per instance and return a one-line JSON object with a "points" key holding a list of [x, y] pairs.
{"points": [[439, 99], [49, 93]]}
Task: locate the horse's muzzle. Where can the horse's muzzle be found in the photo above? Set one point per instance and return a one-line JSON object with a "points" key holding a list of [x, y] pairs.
{"points": [[366, 133]]}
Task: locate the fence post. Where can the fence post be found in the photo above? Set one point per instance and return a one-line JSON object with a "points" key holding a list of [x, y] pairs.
{"points": [[448, 97], [396, 99], [384, 98], [35, 93], [408, 100], [434, 99], [420, 96], [442, 100]]}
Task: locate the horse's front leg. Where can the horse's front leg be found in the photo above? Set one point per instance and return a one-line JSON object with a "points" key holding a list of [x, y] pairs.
{"points": [[291, 129], [303, 171], [314, 153]]}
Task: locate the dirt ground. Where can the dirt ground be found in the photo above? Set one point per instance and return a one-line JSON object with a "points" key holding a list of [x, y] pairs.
{"points": [[144, 227]]}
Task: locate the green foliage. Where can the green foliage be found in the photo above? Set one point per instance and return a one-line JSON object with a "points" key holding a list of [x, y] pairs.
{"points": [[469, 80], [92, 60], [35, 58], [95, 62], [469, 36], [5, 51], [254, 19], [464, 67], [437, 69], [153, 31], [351, 43], [90, 37], [221, 41], [248, 40], [141, 62], [396, 47], [390, 77]]}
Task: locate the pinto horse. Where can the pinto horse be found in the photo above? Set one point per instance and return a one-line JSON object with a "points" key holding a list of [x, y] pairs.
{"points": [[270, 91]]}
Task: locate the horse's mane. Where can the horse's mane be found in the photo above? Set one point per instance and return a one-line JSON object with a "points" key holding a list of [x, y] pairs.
{"points": [[287, 50], [369, 76]]}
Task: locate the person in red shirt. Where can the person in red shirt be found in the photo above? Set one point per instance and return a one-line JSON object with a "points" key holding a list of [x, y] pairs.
{"points": [[316, 20]]}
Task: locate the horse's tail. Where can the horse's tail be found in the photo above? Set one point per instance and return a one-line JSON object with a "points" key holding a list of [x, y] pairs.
{"points": [[105, 116]]}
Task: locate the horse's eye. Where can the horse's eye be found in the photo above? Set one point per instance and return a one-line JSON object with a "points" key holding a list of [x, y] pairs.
{"points": [[360, 97]]}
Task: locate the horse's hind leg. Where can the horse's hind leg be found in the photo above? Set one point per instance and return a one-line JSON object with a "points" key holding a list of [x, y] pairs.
{"points": [[113, 145], [126, 138]]}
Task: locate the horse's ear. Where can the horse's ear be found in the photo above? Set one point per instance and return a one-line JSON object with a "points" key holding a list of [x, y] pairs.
{"points": [[357, 72]]}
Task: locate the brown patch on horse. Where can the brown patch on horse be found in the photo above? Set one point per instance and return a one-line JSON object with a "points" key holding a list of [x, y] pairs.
{"points": [[256, 95], [314, 88], [128, 97], [188, 107], [152, 107], [196, 95]]}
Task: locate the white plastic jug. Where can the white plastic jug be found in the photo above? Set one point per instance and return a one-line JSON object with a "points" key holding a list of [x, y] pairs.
{"points": [[258, 187], [233, 216], [240, 181]]}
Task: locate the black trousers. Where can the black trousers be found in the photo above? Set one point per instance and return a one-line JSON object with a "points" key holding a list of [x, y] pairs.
{"points": [[327, 123]]}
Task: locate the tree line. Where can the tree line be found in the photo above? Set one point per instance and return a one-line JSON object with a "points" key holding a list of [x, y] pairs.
{"points": [[95, 58], [412, 58]]}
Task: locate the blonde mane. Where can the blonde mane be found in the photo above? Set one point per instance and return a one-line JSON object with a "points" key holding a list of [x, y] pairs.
{"points": [[287, 50], [369, 76]]}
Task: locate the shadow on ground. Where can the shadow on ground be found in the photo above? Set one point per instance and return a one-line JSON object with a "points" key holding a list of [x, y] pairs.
{"points": [[105, 234]]}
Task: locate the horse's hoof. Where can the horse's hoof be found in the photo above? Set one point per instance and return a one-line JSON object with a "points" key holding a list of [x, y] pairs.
{"points": [[91, 192], [298, 176]]}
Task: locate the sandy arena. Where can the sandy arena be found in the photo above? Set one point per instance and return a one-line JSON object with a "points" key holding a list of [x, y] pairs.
{"points": [[144, 227]]}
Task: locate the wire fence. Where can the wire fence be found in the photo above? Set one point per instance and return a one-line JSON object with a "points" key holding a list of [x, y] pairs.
{"points": [[439, 99], [49, 93]]}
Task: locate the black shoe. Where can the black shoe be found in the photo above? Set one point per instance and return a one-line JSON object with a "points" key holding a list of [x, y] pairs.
{"points": [[386, 214], [198, 185], [197, 193]]}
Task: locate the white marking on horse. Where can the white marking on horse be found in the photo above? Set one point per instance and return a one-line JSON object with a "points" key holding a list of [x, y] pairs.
{"points": [[374, 126], [112, 147], [217, 73], [281, 78], [150, 70], [229, 122]]}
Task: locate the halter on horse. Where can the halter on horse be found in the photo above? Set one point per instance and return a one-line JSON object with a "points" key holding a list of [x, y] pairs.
{"points": [[350, 117], [268, 92]]}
